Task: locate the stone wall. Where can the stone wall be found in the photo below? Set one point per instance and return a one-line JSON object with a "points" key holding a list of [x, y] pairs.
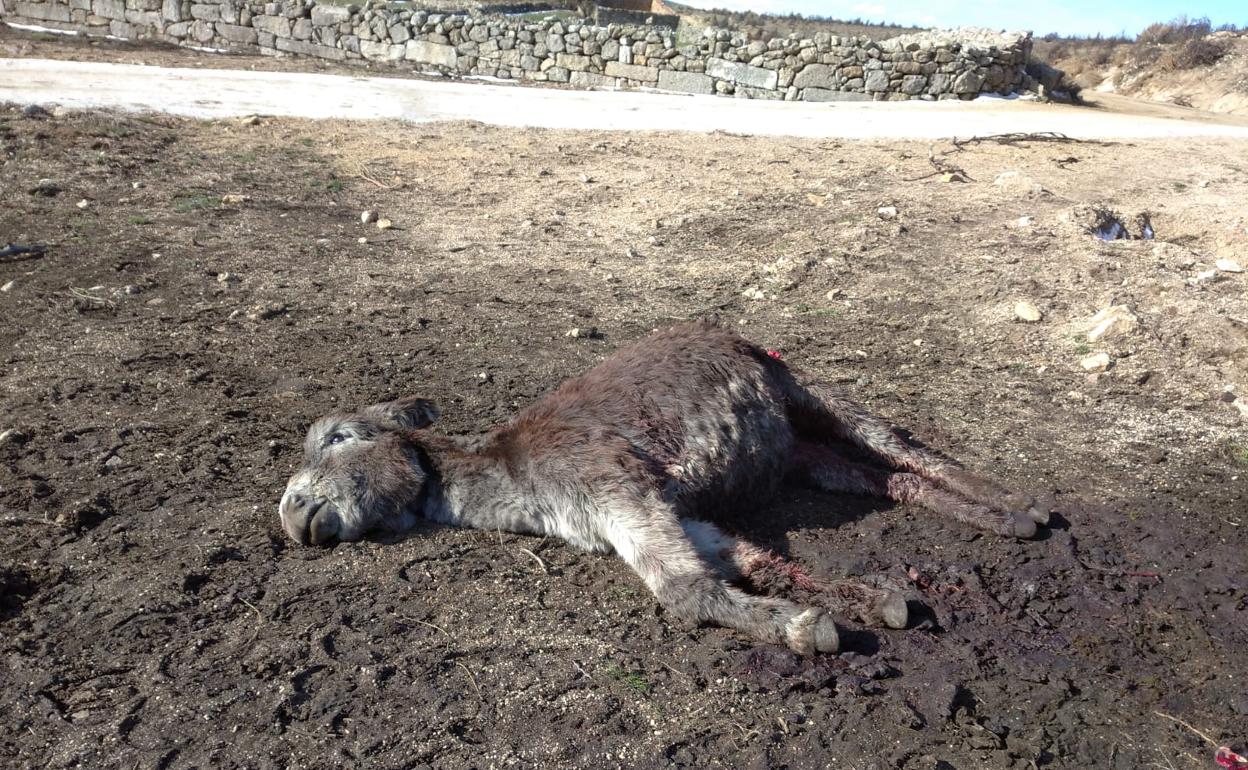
{"points": [[933, 65]]}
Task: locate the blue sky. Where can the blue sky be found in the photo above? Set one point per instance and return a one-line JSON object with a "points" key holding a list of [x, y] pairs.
{"points": [[1083, 17]]}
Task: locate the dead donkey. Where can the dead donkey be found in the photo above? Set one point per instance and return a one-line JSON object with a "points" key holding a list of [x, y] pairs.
{"points": [[637, 456]]}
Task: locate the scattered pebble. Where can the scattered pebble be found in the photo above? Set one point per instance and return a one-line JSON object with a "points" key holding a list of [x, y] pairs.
{"points": [[266, 311], [1024, 222], [1114, 321], [154, 301], [1097, 362], [753, 293], [234, 199], [82, 204], [1205, 276], [227, 277], [1017, 182], [384, 224], [1228, 266], [1027, 312], [362, 239], [579, 333], [36, 112], [13, 436], [631, 253], [250, 120], [137, 185], [130, 289], [368, 216], [887, 212], [46, 188], [8, 286], [952, 176], [832, 294]]}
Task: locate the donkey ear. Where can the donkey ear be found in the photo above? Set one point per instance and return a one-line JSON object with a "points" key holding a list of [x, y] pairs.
{"points": [[409, 412]]}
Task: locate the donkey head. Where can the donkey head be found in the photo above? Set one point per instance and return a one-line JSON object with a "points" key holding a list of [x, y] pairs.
{"points": [[361, 471]]}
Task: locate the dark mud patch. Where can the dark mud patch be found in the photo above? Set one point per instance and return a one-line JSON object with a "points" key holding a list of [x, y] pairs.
{"points": [[155, 615]]}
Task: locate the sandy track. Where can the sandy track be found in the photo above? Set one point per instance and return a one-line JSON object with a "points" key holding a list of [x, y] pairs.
{"points": [[225, 93]]}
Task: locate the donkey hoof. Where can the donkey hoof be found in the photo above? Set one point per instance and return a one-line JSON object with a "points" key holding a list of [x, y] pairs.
{"points": [[893, 611], [1020, 526], [1040, 510], [812, 631], [826, 637]]}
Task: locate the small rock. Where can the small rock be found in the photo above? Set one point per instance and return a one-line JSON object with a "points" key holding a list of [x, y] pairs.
{"points": [[362, 239], [154, 301], [384, 224], [631, 253], [1027, 312], [8, 286], [13, 436], [113, 462], [130, 289], [1024, 222], [234, 199], [753, 293], [1017, 182], [227, 277], [368, 216], [36, 112], [1205, 276], [578, 333], [832, 294], [1097, 362], [137, 185], [250, 120], [1114, 321], [1242, 406], [952, 176], [46, 188], [82, 204], [1228, 266], [887, 212], [484, 377], [267, 311]]}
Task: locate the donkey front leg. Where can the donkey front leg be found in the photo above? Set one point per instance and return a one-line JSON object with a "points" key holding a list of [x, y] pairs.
{"points": [[648, 535], [764, 571]]}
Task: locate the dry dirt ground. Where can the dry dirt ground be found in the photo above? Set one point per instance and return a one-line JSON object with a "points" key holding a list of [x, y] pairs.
{"points": [[165, 353]]}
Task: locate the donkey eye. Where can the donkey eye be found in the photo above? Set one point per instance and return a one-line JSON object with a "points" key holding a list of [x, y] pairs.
{"points": [[337, 438]]}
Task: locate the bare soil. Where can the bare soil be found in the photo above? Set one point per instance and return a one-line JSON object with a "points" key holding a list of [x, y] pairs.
{"points": [[165, 353]]}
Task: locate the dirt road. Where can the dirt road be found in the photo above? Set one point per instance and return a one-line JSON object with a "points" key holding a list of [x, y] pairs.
{"points": [[225, 93]]}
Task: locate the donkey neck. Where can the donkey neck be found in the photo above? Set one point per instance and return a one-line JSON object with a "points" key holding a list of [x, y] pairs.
{"points": [[468, 488]]}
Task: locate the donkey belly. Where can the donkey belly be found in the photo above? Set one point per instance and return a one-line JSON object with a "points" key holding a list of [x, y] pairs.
{"points": [[733, 464]]}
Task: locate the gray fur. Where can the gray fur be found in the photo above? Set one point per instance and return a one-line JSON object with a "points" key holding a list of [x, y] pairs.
{"points": [[637, 457]]}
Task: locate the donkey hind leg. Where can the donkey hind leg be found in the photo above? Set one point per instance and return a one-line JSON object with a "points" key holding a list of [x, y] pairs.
{"points": [[763, 570], [822, 409], [649, 537], [828, 470]]}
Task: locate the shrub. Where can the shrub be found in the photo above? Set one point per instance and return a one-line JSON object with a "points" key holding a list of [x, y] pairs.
{"points": [[1179, 30], [1200, 52]]}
